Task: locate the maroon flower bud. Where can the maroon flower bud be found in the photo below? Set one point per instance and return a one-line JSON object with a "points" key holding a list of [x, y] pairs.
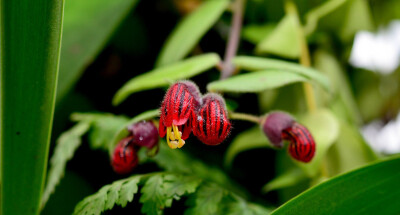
{"points": [[274, 124], [144, 133], [180, 104], [124, 158], [279, 126], [212, 125]]}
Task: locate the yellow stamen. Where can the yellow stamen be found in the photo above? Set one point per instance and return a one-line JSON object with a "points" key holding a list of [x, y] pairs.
{"points": [[174, 137], [171, 144]]}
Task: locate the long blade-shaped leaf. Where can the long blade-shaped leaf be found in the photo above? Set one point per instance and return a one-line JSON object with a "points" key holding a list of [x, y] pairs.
{"points": [[87, 26], [30, 48], [374, 189]]}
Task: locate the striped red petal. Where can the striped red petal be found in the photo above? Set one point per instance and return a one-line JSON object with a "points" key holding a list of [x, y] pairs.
{"points": [[302, 144]]}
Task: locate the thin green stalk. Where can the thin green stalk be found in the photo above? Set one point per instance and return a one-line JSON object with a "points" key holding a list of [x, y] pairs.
{"points": [[245, 117]]}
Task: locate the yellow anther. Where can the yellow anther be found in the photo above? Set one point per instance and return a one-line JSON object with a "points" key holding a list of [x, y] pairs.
{"points": [[176, 132]]}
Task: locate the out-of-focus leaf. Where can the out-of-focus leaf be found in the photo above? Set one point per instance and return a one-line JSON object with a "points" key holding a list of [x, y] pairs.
{"points": [[87, 26], [284, 40], [164, 76], [190, 30], [250, 139], [64, 151], [324, 128], [256, 33], [207, 200], [245, 208], [123, 131], [358, 17], [259, 63], [315, 14], [256, 81], [103, 130], [368, 190], [287, 179], [349, 152], [120, 192], [30, 45]]}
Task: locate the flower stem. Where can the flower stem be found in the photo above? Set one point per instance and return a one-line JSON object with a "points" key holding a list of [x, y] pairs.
{"points": [[304, 56], [245, 117], [233, 41]]}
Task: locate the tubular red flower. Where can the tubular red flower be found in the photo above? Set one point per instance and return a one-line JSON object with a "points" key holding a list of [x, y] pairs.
{"points": [[212, 125], [180, 104], [124, 158], [302, 144]]}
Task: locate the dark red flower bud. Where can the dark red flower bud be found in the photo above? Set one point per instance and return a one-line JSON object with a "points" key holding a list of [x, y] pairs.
{"points": [[180, 104], [124, 158], [144, 133], [274, 125], [302, 145], [279, 126], [212, 125]]}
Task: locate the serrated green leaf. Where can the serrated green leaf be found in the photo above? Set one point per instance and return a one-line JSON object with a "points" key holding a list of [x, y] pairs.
{"points": [[120, 192], [165, 75], [196, 24], [324, 128], [177, 186], [256, 33], [284, 40], [373, 189], [256, 82], [251, 63], [250, 139], [287, 179], [207, 200], [66, 146], [87, 27], [153, 196]]}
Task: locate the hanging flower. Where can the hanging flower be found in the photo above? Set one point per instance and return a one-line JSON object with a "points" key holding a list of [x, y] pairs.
{"points": [[212, 125], [124, 158], [179, 107], [279, 126]]}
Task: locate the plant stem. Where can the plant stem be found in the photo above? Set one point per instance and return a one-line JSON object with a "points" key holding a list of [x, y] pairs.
{"points": [[245, 117], [304, 56], [233, 41]]}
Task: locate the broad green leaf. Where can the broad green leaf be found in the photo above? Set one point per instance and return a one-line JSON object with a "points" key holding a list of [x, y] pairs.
{"points": [[123, 131], [256, 82], [190, 30], [284, 40], [250, 139], [165, 75], [120, 192], [87, 27], [259, 63], [30, 51], [207, 200], [313, 16], [373, 189], [287, 179], [66, 146], [256, 33], [349, 152], [324, 128]]}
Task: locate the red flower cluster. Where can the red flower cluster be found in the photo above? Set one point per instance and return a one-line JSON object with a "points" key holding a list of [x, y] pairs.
{"points": [[183, 110], [125, 158], [280, 126]]}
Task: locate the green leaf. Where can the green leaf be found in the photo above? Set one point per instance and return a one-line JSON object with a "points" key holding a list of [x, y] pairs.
{"points": [[259, 63], [287, 179], [256, 33], [87, 27], [324, 128], [66, 146], [313, 16], [120, 192], [103, 130], [357, 18], [284, 40], [245, 208], [256, 82], [178, 185], [250, 139], [164, 76], [30, 50], [196, 24], [207, 200], [370, 190]]}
